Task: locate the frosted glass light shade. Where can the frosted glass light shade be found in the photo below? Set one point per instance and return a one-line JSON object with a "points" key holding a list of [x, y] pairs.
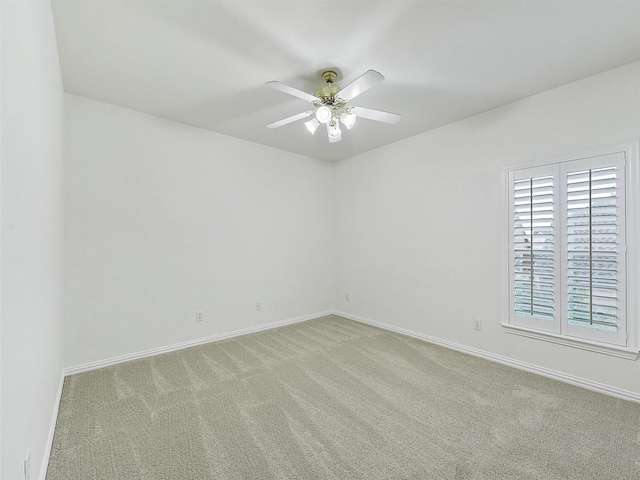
{"points": [[323, 114], [312, 125], [334, 129], [348, 120]]}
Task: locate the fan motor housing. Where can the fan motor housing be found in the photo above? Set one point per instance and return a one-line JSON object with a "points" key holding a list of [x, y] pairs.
{"points": [[329, 92]]}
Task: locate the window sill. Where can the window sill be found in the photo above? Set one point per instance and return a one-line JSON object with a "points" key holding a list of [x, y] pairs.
{"points": [[614, 350]]}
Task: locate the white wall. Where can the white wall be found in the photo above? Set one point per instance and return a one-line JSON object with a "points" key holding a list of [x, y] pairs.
{"points": [[31, 232], [418, 223], [164, 219]]}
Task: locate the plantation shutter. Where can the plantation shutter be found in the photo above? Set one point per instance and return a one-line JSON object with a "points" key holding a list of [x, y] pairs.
{"points": [[568, 277], [595, 240], [533, 245]]}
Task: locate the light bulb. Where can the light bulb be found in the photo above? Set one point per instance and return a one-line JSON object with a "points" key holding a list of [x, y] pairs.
{"points": [[348, 120], [323, 114], [312, 125]]}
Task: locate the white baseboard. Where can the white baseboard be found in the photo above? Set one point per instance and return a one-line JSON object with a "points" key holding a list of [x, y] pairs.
{"points": [[52, 431], [529, 367], [86, 367]]}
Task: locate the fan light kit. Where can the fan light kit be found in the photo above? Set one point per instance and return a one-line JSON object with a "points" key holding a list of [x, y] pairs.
{"points": [[331, 105]]}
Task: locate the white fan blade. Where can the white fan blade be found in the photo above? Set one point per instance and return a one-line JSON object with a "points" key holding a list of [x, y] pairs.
{"points": [[293, 118], [291, 91], [361, 84], [377, 115]]}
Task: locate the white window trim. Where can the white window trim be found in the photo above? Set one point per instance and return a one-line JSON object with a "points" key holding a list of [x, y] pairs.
{"points": [[581, 343], [632, 223]]}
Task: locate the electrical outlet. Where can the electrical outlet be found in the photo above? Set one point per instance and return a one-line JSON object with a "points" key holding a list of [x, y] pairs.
{"points": [[346, 297], [258, 307], [27, 465], [477, 324], [199, 316]]}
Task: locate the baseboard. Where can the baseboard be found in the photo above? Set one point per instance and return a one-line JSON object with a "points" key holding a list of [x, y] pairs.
{"points": [[52, 431], [86, 367], [546, 372]]}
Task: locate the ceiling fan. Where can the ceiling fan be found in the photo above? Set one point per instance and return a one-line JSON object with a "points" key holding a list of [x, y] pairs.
{"points": [[331, 104]]}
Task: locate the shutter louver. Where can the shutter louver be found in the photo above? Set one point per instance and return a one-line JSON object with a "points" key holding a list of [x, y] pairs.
{"points": [[592, 248], [533, 246]]}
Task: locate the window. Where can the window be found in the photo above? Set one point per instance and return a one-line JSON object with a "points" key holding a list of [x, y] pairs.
{"points": [[568, 251]]}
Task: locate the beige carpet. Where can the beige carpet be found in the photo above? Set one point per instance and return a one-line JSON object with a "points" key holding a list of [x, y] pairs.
{"points": [[335, 399]]}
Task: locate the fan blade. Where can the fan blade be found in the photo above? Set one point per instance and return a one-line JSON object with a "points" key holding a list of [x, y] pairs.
{"points": [[377, 115], [361, 84], [291, 91], [293, 118]]}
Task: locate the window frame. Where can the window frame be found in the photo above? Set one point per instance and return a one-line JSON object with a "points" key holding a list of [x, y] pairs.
{"points": [[557, 331]]}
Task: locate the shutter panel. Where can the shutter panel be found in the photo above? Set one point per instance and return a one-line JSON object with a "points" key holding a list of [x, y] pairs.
{"points": [[592, 248], [533, 268], [567, 249]]}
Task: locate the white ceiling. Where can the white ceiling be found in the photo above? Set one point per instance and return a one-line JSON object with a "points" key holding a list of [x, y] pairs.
{"points": [[205, 62]]}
